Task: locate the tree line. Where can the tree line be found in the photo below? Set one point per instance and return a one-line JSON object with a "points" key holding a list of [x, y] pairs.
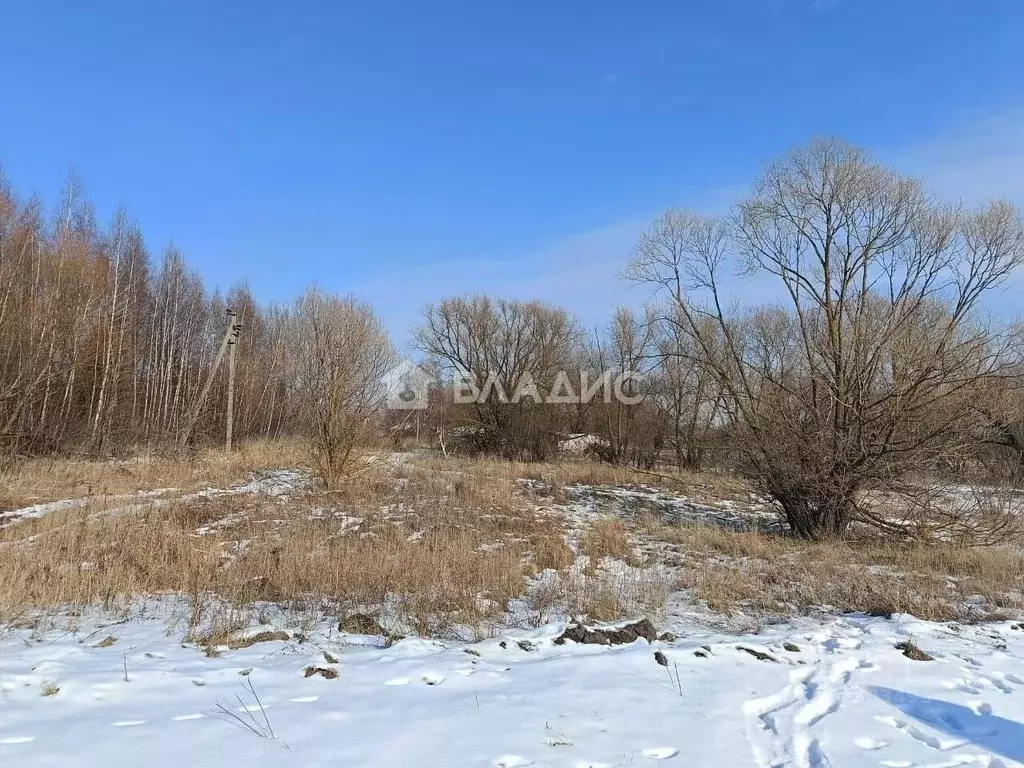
{"points": [[104, 348], [872, 358]]}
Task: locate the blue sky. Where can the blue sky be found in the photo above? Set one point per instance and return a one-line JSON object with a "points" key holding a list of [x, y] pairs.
{"points": [[405, 151]]}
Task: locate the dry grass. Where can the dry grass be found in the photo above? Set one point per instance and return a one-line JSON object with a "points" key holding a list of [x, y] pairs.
{"points": [[437, 579], [607, 536], [549, 551], [439, 544], [570, 472], [39, 480], [603, 595], [437, 549], [766, 573]]}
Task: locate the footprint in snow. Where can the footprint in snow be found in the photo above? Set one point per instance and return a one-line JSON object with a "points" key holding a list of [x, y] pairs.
{"points": [[432, 678], [998, 680], [935, 742], [870, 744], [964, 686], [398, 681], [660, 753], [512, 761], [16, 739]]}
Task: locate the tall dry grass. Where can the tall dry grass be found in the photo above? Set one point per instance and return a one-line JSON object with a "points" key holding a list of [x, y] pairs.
{"points": [[441, 544], [608, 536], [437, 551], [435, 580], [765, 573], [36, 480], [573, 471]]}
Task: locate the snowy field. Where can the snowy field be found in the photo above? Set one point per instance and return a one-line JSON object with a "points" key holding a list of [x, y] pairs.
{"points": [[802, 694], [806, 693]]}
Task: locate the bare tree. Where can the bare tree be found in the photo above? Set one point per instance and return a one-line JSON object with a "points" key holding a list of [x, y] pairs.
{"points": [[341, 353], [865, 367], [1000, 409], [689, 395], [629, 420], [512, 352]]}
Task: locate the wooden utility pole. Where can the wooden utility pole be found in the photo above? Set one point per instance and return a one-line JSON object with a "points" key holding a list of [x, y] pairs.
{"points": [[232, 343], [230, 337]]}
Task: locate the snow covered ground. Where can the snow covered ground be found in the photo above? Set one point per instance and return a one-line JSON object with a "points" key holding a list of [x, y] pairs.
{"points": [[810, 693], [822, 694]]}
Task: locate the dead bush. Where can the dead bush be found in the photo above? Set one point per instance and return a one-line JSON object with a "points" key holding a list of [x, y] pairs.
{"points": [[340, 352]]}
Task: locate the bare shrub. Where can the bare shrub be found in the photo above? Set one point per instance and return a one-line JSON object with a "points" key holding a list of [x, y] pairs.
{"points": [[341, 352], [632, 425], [689, 396]]}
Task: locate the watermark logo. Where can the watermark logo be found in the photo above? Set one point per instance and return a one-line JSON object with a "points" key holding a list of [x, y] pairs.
{"points": [[407, 387], [610, 386]]}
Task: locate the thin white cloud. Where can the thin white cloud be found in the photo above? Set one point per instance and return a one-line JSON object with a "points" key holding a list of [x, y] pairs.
{"points": [[973, 161], [580, 272]]}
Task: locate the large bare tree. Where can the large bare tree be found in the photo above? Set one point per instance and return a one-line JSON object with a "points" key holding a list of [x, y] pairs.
{"points": [[866, 365]]}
